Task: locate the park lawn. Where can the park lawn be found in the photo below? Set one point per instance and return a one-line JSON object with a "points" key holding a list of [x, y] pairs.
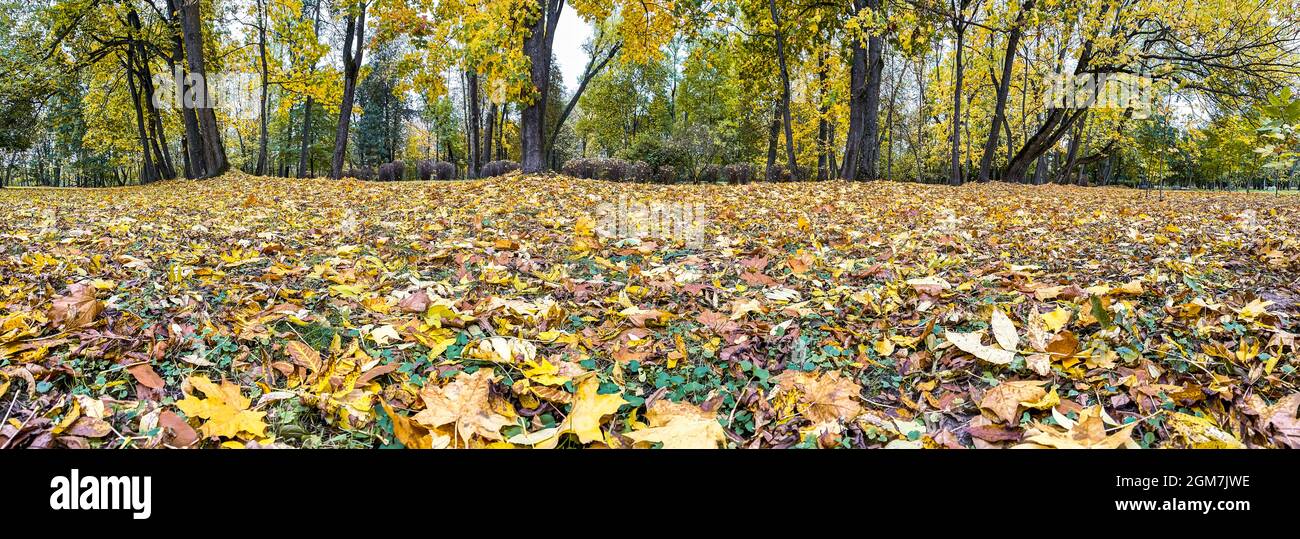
{"points": [[246, 312]]}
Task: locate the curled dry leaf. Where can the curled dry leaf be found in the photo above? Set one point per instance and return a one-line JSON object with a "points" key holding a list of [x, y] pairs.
{"points": [[970, 343], [681, 426], [466, 404], [1088, 432], [1005, 399]]}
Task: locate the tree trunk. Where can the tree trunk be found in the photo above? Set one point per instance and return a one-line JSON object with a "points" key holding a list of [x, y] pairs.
{"points": [[148, 173], [260, 170], [153, 120], [354, 40], [473, 125], [189, 148], [773, 132], [593, 68], [955, 173], [1055, 126], [862, 144], [791, 163], [537, 47], [823, 145], [489, 131], [1003, 88], [305, 149], [209, 134]]}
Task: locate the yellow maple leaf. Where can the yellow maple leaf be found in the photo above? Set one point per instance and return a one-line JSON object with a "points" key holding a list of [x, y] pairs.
{"points": [[224, 408], [1057, 319], [680, 426], [589, 409], [467, 405], [825, 396]]}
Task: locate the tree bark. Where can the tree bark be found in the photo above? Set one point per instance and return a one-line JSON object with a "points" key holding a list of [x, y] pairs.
{"points": [[148, 172], [538, 48], [209, 134], [472, 125], [791, 163], [959, 26], [305, 149], [354, 39], [1003, 88], [260, 170], [190, 149], [862, 143]]}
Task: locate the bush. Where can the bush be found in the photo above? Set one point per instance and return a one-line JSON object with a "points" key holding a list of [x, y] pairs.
{"points": [[665, 174], [360, 173], [659, 152], [641, 171], [779, 173], [611, 169], [710, 174], [776, 173], [738, 173], [444, 171], [499, 168], [425, 168], [392, 172], [578, 168]]}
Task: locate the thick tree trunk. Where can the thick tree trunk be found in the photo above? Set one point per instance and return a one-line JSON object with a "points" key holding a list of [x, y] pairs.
{"points": [[209, 135], [862, 143], [537, 47], [354, 40], [189, 148], [1003, 88]]}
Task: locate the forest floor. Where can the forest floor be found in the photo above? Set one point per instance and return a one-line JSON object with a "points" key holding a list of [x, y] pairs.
{"points": [[255, 312]]}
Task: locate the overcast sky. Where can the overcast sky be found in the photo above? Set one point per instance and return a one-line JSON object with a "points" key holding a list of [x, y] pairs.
{"points": [[571, 33]]}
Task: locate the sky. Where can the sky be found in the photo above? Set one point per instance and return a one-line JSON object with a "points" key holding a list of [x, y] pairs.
{"points": [[571, 33]]}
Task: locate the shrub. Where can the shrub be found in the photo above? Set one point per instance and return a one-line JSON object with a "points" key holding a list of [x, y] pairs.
{"points": [[499, 168], [776, 173], [611, 169], [659, 151], [578, 168], [425, 168], [738, 173], [779, 173], [444, 171], [360, 173], [709, 174], [665, 174], [641, 171], [392, 172]]}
